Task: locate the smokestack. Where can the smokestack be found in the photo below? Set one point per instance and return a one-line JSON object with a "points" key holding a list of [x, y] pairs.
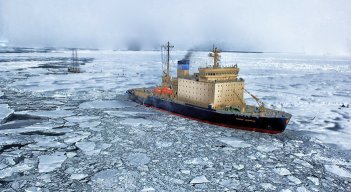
{"points": [[183, 65]]}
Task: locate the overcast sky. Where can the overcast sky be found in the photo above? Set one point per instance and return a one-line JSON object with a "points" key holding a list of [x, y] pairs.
{"points": [[310, 26]]}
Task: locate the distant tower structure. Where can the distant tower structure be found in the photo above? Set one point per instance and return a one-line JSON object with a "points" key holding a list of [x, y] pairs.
{"points": [[74, 67]]}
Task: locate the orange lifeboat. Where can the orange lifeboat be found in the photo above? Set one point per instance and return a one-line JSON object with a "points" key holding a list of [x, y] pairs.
{"points": [[157, 90], [166, 90]]}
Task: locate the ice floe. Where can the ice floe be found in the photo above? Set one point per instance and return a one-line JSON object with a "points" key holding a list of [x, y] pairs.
{"points": [[315, 180], [148, 189], [48, 163], [19, 168], [105, 104], [88, 147], [51, 114], [138, 159], [139, 121], [78, 176], [5, 112], [199, 180], [282, 171], [234, 142], [337, 170], [294, 179], [162, 144], [268, 186]]}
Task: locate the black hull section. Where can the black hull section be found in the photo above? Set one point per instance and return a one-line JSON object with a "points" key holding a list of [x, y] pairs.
{"points": [[272, 125]]}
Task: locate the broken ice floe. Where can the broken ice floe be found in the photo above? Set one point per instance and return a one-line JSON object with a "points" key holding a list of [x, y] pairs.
{"points": [[5, 112], [78, 176], [8, 142], [1, 93], [88, 147], [199, 180], [268, 186], [43, 143], [148, 189], [274, 145], [124, 114], [75, 138], [139, 121], [105, 104], [138, 159], [199, 161], [161, 144], [282, 171], [48, 163], [234, 142], [294, 179], [19, 168], [315, 180], [51, 114], [114, 180], [337, 170]]}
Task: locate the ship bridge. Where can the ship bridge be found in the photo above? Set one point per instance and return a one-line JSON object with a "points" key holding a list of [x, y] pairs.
{"points": [[218, 74], [215, 87]]}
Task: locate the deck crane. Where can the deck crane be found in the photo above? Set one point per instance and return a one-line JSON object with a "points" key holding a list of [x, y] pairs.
{"points": [[262, 109]]}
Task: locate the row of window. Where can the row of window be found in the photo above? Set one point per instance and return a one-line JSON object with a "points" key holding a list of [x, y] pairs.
{"points": [[220, 73]]}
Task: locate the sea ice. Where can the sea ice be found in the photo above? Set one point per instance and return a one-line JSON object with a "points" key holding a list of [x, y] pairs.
{"points": [[162, 144], [114, 180], [148, 189], [294, 179], [43, 143], [5, 112], [125, 114], [234, 142], [7, 172], [337, 170], [1, 93], [88, 147], [138, 159], [78, 176], [315, 180], [48, 163], [302, 189], [76, 138], [137, 122], [105, 104], [268, 186], [52, 114], [198, 161], [282, 171], [199, 180]]}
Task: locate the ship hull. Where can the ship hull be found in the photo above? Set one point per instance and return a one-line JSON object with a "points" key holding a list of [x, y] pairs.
{"points": [[272, 125]]}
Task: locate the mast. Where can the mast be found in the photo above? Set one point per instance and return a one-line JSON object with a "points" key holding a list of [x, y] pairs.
{"points": [[168, 46], [166, 78], [216, 57]]}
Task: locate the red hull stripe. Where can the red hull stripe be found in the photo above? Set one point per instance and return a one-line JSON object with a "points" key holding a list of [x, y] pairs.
{"points": [[219, 124]]}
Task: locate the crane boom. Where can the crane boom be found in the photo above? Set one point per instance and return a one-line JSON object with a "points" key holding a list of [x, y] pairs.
{"points": [[258, 101]]}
